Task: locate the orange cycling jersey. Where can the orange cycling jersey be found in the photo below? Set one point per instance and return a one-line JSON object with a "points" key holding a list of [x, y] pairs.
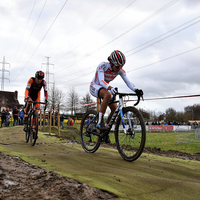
{"points": [[33, 89]]}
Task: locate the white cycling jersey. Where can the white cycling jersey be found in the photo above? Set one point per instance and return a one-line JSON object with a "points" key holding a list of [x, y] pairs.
{"points": [[104, 75]]}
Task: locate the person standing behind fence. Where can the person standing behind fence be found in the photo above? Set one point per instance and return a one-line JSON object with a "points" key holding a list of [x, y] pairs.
{"points": [[15, 115], [61, 120], [21, 115], [8, 116], [3, 117]]}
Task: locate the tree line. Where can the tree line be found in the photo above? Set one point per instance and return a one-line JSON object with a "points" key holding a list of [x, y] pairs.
{"points": [[70, 104], [189, 113]]}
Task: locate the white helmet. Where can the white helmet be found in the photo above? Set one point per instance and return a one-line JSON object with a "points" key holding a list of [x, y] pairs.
{"points": [[117, 58]]}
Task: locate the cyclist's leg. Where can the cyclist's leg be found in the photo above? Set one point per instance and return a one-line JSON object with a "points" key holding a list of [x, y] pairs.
{"points": [[26, 110], [100, 92], [106, 96], [36, 118], [112, 107], [27, 106], [38, 100]]}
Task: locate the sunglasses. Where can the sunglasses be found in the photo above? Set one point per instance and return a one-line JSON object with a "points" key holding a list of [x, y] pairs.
{"points": [[118, 67]]}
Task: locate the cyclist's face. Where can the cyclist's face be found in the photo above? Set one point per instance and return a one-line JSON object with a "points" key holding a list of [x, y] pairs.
{"points": [[38, 80], [116, 68]]}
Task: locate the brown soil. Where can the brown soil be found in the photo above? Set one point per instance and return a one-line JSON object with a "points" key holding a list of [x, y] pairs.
{"points": [[21, 180], [173, 154]]}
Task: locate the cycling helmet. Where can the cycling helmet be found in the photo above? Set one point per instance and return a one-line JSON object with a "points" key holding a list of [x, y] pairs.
{"points": [[117, 58], [39, 74]]}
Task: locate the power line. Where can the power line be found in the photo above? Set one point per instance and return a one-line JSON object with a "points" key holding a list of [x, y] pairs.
{"points": [[8, 25], [31, 33], [163, 38], [83, 41], [107, 7], [143, 21], [25, 28], [157, 38], [43, 38], [165, 59], [142, 66]]}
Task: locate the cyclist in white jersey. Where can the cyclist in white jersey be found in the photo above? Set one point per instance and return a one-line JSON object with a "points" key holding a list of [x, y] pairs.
{"points": [[100, 87]]}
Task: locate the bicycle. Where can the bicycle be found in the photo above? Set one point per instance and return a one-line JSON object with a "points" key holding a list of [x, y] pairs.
{"points": [[32, 124], [130, 137]]}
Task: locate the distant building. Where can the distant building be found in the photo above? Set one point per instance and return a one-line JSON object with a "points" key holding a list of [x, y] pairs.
{"points": [[9, 100]]}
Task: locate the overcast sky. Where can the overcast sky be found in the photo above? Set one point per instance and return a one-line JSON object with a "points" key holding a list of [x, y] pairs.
{"points": [[160, 38]]}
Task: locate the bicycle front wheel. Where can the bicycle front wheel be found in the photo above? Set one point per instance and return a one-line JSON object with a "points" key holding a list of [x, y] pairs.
{"points": [[131, 141], [33, 127], [89, 133], [28, 129]]}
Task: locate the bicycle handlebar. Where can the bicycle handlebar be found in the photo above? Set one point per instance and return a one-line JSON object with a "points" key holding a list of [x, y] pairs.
{"points": [[129, 94], [35, 102]]}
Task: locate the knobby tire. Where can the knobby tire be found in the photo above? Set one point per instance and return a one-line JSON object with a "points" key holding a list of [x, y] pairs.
{"points": [[33, 127], [89, 139], [28, 128], [130, 145]]}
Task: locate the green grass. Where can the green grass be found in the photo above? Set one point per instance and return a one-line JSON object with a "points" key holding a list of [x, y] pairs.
{"points": [[166, 141]]}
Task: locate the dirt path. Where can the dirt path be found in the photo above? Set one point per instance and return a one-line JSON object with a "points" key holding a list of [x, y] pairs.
{"points": [[20, 180], [150, 177]]}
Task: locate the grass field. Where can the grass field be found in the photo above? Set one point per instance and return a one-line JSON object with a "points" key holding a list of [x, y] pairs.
{"points": [[166, 141]]}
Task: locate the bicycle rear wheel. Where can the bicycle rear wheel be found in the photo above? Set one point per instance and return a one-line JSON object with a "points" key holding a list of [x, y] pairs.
{"points": [[130, 144], [33, 127], [89, 133]]}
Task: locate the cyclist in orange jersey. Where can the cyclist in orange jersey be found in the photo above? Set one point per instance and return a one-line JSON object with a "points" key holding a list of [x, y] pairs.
{"points": [[32, 92]]}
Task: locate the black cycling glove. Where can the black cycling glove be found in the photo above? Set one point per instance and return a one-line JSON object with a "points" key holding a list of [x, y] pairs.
{"points": [[139, 92]]}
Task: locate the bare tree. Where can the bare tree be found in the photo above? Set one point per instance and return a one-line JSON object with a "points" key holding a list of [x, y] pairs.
{"points": [[55, 97], [72, 101], [87, 99], [171, 114]]}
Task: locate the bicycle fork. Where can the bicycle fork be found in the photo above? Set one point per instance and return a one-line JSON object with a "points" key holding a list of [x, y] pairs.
{"points": [[119, 110]]}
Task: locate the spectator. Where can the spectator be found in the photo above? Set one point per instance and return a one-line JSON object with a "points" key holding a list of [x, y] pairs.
{"points": [[15, 115], [71, 122], [61, 120], [3, 117], [8, 116], [68, 122], [87, 121], [21, 116]]}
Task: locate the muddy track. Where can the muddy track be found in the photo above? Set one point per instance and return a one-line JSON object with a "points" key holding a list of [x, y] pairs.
{"points": [[150, 177], [21, 180]]}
